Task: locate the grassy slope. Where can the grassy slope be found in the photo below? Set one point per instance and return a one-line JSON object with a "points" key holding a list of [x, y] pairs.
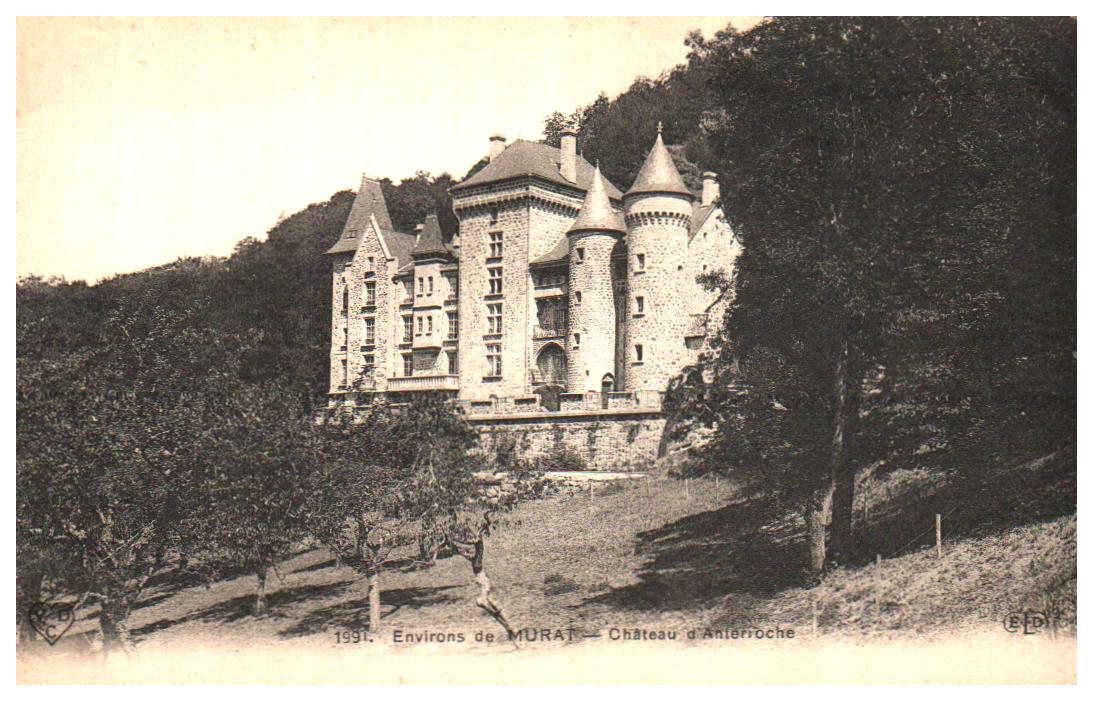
{"points": [[665, 554]]}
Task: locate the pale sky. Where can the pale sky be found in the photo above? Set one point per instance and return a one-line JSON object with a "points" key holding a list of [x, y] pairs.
{"points": [[142, 140]]}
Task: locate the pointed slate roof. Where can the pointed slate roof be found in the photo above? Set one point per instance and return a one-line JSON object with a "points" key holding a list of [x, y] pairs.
{"points": [[369, 202], [401, 246], [700, 213], [524, 158], [596, 211], [558, 254], [430, 243], [658, 173]]}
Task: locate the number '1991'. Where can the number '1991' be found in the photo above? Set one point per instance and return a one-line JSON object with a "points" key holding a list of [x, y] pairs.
{"points": [[351, 636]]}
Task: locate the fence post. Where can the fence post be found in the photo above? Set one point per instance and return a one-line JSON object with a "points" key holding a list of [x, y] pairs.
{"points": [[876, 586], [937, 533]]}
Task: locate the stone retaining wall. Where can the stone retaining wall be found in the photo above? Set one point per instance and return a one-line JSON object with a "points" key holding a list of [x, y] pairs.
{"points": [[612, 439]]}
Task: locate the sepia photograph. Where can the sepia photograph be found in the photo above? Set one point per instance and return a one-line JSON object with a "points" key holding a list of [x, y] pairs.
{"points": [[546, 350]]}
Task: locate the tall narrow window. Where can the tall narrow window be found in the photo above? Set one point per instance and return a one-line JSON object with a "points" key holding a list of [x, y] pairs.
{"points": [[493, 318], [420, 323], [345, 337], [496, 281], [369, 331], [420, 286], [577, 297], [639, 353], [407, 364], [407, 329], [369, 365], [430, 285], [453, 363], [453, 325], [576, 340], [345, 374], [371, 262], [580, 254], [639, 262], [370, 293], [639, 305], [493, 359], [345, 300], [494, 212], [429, 324], [497, 241]]}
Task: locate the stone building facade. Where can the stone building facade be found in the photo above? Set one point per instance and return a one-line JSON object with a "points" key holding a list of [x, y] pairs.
{"points": [[558, 294]]}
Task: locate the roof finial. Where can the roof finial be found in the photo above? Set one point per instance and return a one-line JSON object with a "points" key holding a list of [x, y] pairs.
{"points": [[660, 127]]}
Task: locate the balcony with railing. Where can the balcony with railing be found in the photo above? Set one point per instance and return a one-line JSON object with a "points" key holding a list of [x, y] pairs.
{"points": [[540, 331], [423, 383]]}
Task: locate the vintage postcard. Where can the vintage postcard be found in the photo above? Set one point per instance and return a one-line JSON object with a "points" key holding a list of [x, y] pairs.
{"points": [[540, 350]]}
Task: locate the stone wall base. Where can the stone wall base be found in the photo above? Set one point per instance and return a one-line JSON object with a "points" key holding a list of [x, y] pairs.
{"points": [[609, 440]]}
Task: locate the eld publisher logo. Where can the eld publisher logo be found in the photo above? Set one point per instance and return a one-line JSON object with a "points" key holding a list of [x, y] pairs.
{"points": [[1025, 622]]}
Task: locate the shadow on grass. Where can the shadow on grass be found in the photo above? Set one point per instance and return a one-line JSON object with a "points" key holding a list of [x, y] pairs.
{"points": [[744, 553], [315, 567], [242, 606], [746, 547], [972, 503], [352, 615]]}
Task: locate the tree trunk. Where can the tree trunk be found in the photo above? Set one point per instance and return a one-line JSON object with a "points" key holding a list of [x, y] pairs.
{"points": [[28, 594], [114, 626], [847, 403], [485, 601], [818, 518], [373, 601], [261, 606]]}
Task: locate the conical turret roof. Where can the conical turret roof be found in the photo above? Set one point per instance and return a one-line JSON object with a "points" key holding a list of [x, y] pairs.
{"points": [[596, 211], [430, 242], [659, 173]]}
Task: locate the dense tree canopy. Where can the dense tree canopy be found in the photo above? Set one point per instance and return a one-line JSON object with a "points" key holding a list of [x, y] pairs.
{"points": [[904, 193]]}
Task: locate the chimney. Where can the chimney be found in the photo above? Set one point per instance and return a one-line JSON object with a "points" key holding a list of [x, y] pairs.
{"points": [[568, 165], [711, 191], [497, 145]]}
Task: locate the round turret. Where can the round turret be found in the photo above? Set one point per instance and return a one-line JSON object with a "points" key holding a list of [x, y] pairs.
{"points": [[658, 218], [590, 347]]}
